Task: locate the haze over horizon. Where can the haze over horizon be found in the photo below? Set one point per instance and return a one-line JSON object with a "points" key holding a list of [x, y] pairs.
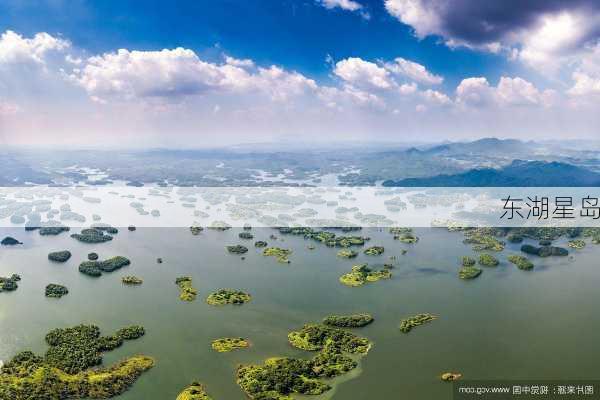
{"points": [[84, 74]]}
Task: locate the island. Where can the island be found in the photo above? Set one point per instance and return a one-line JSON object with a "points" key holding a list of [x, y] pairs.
{"points": [[260, 243], [196, 230], [196, 391], [92, 235], [96, 268], [469, 272], [488, 260], [545, 250], [72, 364], [280, 254], [374, 250], [246, 235], [482, 239], [9, 284], [228, 296], [55, 290], [9, 241], [315, 337], [131, 280], [348, 321], [406, 325], [92, 256], [577, 244], [237, 249], [186, 291], [225, 345], [520, 261], [59, 256], [450, 376], [347, 253], [362, 274]]}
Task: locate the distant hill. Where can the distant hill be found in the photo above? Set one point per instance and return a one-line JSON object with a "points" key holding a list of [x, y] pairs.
{"points": [[494, 146], [518, 174]]}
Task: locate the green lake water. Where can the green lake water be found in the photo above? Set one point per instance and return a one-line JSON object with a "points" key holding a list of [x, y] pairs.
{"points": [[505, 324]]}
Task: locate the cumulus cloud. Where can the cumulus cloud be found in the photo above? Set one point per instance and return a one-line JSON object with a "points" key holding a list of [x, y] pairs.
{"points": [[349, 5], [178, 73], [477, 92], [414, 71], [361, 73], [15, 49], [540, 33]]}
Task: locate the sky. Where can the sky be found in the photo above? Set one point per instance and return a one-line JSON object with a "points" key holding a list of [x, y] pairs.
{"points": [[206, 73]]}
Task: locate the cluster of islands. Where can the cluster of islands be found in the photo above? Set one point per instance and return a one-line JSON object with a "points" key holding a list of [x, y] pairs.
{"points": [[73, 368]]}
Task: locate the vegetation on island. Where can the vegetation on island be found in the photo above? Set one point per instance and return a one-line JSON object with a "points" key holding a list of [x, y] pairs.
{"points": [[260, 243], [96, 268], [544, 251], [362, 274], [228, 296], [196, 230], [59, 256], [55, 290], [406, 325], [9, 241], [67, 370], [347, 253], [131, 280], [483, 239], [374, 250], [224, 345], [348, 321], [330, 239], [280, 254], [186, 291], [9, 284], [450, 376], [92, 256], [315, 337], [469, 272], [92, 235], [237, 249], [488, 260], [246, 235], [520, 261], [468, 261], [405, 235], [196, 391], [577, 244]]}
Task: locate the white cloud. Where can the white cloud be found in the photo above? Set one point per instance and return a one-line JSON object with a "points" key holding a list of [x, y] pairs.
{"points": [[584, 84], [414, 71], [349, 5], [424, 19], [178, 73], [435, 97], [408, 88], [15, 48], [361, 73], [245, 63], [509, 92]]}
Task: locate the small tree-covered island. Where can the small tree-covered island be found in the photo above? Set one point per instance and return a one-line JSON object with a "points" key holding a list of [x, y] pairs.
{"points": [[225, 345], [59, 256], [362, 274], [96, 268], [228, 296], [72, 367], [186, 291]]}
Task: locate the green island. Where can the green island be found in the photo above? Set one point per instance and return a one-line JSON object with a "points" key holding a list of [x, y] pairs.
{"points": [[281, 377], [577, 244], [228, 296], [405, 235], [260, 243], [469, 272], [186, 291], [9, 241], [237, 249], [348, 321], [57, 291], [362, 274], [131, 280], [92, 235], [280, 254], [520, 261], [450, 376], [92, 256], [196, 230], [483, 239], [488, 260], [468, 261], [374, 250], [225, 345], [9, 284], [246, 235], [196, 391], [59, 256], [406, 325], [96, 268], [67, 370], [330, 239], [545, 250], [347, 253]]}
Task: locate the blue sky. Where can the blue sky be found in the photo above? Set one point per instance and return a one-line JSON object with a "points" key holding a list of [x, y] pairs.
{"points": [[386, 69]]}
